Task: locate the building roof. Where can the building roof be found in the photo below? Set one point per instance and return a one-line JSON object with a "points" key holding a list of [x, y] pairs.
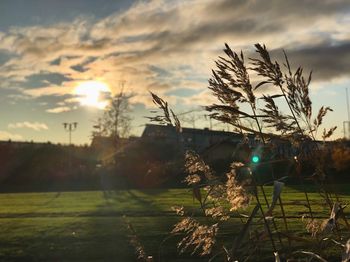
{"points": [[152, 128]]}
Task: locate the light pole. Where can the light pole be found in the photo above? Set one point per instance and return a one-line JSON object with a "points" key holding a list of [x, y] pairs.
{"points": [[346, 124], [346, 128], [70, 127]]}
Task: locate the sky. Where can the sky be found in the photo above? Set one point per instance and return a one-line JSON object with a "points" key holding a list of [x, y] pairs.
{"points": [[50, 49]]}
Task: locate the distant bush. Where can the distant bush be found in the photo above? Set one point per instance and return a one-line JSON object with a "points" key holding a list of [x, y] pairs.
{"points": [[341, 158], [46, 167]]}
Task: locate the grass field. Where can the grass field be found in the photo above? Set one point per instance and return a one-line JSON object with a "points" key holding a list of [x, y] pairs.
{"points": [[89, 226]]}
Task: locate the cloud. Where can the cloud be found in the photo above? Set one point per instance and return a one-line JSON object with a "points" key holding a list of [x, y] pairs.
{"points": [[327, 60], [60, 109], [43, 78], [54, 99], [4, 135], [64, 90], [34, 125], [161, 45]]}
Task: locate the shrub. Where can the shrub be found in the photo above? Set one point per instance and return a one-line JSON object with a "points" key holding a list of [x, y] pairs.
{"points": [[221, 196]]}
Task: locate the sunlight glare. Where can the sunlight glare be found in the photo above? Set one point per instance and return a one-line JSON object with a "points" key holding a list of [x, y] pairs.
{"points": [[90, 93]]}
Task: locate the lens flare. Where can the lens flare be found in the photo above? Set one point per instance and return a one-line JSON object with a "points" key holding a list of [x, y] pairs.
{"points": [[255, 159]]}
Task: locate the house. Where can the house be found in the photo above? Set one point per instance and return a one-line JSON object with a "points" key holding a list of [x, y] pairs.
{"points": [[189, 138], [219, 144]]}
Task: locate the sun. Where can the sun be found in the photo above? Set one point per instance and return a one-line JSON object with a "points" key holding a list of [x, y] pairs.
{"points": [[90, 93]]}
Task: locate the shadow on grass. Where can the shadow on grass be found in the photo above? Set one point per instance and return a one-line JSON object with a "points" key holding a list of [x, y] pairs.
{"points": [[110, 237], [101, 234]]}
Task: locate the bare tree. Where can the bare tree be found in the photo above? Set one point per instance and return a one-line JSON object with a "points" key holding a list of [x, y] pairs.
{"points": [[116, 118]]}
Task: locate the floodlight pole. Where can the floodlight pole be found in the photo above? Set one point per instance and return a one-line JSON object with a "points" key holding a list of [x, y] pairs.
{"points": [[347, 103], [346, 129], [70, 127], [346, 124]]}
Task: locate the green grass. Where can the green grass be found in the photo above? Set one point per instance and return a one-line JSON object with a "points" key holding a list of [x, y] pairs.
{"points": [[86, 226]]}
